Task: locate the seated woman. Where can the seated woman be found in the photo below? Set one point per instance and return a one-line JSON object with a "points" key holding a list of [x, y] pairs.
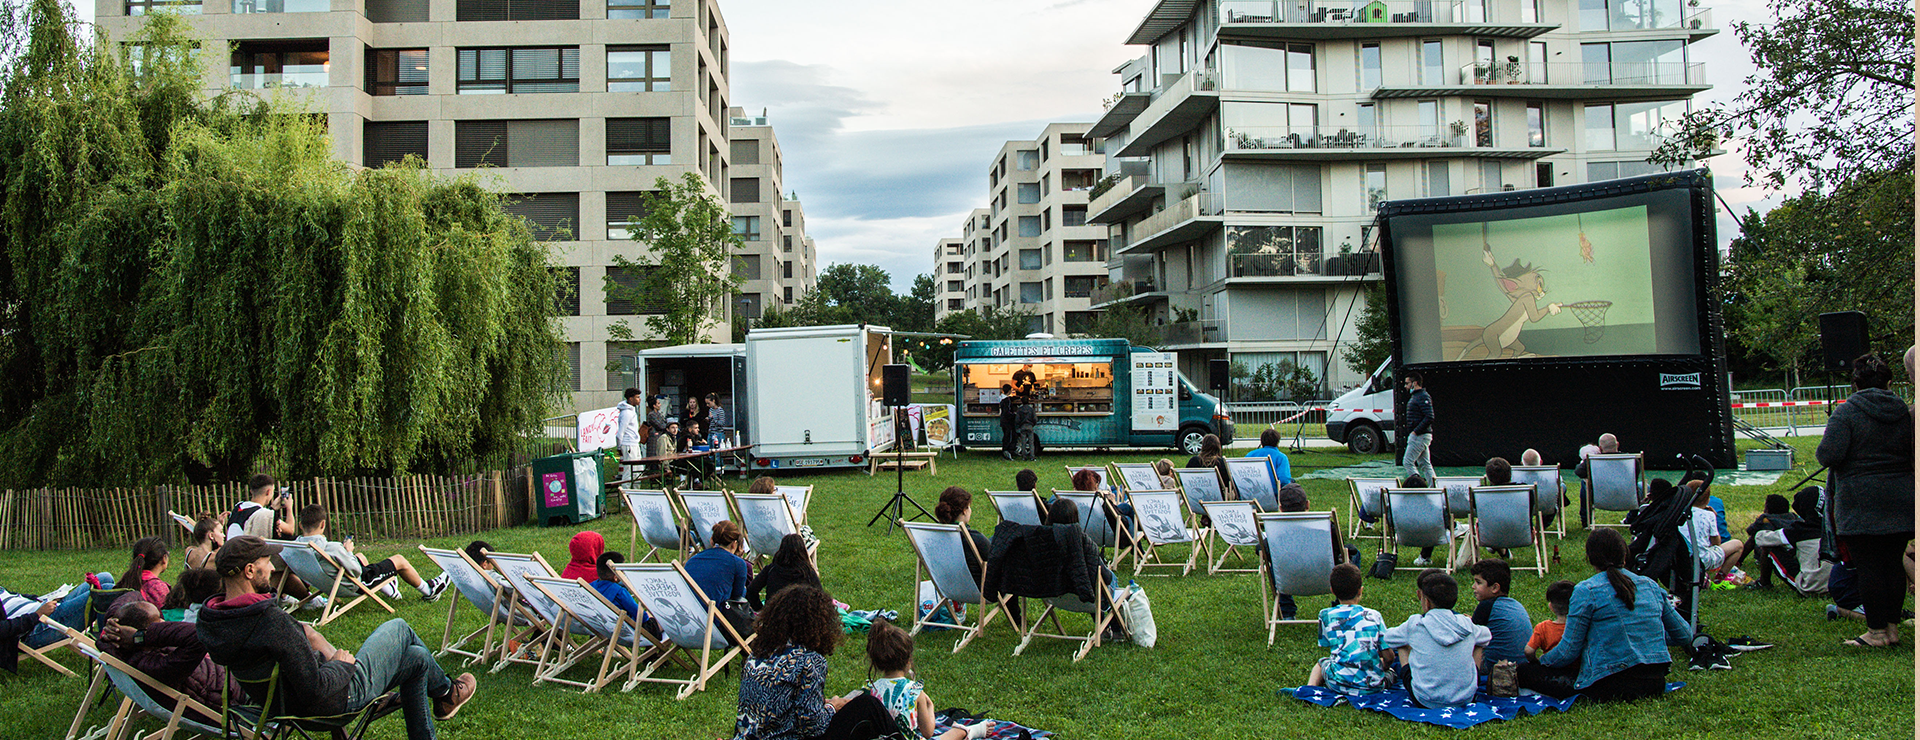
{"points": [[1619, 625], [782, 687], [208, 534], [1086, 479], [956, 507], [722, 574], [788, 567]]}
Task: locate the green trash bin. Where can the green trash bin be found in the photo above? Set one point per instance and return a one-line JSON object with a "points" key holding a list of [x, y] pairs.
{"points": [[568, 488]]}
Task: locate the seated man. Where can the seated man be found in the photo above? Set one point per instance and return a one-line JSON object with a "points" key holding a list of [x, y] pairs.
{"points": [[245, 632], [168, 652], [313, 528], [1607, 445]]}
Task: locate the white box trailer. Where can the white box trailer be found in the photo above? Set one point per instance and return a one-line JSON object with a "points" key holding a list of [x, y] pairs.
{"points": [[814, 395]]}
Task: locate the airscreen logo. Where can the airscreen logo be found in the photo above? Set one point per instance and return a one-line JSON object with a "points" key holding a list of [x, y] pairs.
{"points": [[1679, 381]]}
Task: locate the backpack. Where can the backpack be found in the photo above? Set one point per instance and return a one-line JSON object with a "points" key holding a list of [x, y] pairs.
{"points": [[241, 515]]}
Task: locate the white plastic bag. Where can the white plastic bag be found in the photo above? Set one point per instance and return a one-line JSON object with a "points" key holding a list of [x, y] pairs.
{"points": [[929, 597], [1140, 617]]}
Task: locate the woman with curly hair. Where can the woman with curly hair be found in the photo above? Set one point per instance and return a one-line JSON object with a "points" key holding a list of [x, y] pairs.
{"points": [[783, 687]]}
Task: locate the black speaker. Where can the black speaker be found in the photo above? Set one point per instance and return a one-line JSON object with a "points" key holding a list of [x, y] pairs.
{"points": [[894, 388], [1843, 337], [1219, 374]]}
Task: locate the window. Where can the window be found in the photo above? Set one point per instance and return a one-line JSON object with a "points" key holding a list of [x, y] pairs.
{"points": [[1027, 192], [1080, 251], [527, 70], [1030, 292], [551, 216], [1073, 145], [639, 8], [1272, 125], [747, 228], [397, 11], [1027, 159], [745, 151], [955, 286], [1272, 188], [1369, 120], [1273, 251], [1485, 69], [516, 10], [1073, 215], [786, 218], [1437, 180], [261, 65], [1275, 68], [744, 190], [786, 294], [1491, 179], [632, 141], [1375, 181], [620, 365], [1029, 226], [956, 304], [786, 270], [746, 266], [1597, 171], [281, 6], [1046, 292], [1483, 123], [573, 365], [1600, 128], [1369, 66], [1529, 11], [1078, 286], [622, 206], [1046, 221], [1621, 15], [146, 7], [566, 290], [1635, 63], [627, 294], [1476, 11], [1630, 126], [639, 69], [1029, 259], [1428, 112], [397, 71], [1536, 124], [954, 268], [542, 143], [391, 141], [786, 242], [1431, 70], [1537, 62], [1542, 175]]}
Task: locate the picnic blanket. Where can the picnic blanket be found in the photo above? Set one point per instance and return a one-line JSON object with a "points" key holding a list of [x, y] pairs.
{"points": [[1483, 709], [945, 719]]}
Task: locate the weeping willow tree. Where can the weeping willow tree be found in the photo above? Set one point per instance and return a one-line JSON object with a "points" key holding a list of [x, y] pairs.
{"points": [[196, 289]]}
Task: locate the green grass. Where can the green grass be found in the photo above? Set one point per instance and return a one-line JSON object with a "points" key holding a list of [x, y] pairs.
{"points": [[1212, 675]]}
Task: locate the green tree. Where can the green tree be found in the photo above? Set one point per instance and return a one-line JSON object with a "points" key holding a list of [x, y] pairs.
{"points": [[865, 292], [1371, 344], [916, 309], [689, 237], [990, 322], [1125, 322]]}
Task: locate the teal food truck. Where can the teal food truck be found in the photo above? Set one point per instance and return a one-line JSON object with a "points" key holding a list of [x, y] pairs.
{"points": [[1091, 393]]}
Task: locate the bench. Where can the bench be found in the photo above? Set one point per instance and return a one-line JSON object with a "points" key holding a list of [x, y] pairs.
{"points": [[903, 460]]}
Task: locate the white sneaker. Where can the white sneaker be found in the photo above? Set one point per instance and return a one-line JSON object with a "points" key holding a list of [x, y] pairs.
{"points": [[1422, 562], [317, 602], [390, 589], [435, 587]]}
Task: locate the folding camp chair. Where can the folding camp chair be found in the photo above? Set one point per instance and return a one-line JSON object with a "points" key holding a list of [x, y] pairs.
{"points": [[1253, 478], [1615, 482], [1161, 518], [1366, 496], [1459, 505], [1551, 490], [310, 563], [1103, 524], [1417, 517], [1309, 541], [1023, 507], [941, 557], [533, 604], [483, 593], [180, 519], [704, 509], [798, 497], [1504, 518], [768, 518], [1137, 477], [1236, 527], [267, 722], [688, 622], [656, 522], [1107, 606], [585, 612]]}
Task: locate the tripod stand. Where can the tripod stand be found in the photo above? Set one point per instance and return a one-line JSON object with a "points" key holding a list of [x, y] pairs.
{"points": [[894, 510]]}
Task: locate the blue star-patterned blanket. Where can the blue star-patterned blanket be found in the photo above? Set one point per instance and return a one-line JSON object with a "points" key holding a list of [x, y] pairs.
{"points": [[1483, 709], [1000, 730]]}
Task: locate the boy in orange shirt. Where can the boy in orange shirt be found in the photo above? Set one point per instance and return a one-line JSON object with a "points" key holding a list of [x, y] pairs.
{"points": [[1547, 633]]}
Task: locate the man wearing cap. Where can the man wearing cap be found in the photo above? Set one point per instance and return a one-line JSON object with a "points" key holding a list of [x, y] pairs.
{"points": [[244, 630]]}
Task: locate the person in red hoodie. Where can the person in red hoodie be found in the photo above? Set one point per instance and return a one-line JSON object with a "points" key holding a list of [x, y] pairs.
{"points": [[585, 549]]}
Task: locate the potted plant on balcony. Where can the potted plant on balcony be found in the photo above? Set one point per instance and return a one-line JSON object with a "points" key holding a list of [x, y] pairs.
{"points": [[1483, 73], [1513, 70], [1459, 131], [1244, 140]]}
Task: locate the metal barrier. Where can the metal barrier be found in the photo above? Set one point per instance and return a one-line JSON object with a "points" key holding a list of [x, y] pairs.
{"points": [[1249, 419]]}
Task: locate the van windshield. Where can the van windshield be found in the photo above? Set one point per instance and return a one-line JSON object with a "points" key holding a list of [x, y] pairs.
{"points": [[1382, 380]]}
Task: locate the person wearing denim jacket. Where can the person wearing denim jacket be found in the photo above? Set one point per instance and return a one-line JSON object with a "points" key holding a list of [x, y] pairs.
{"points": [[1621, 651]]}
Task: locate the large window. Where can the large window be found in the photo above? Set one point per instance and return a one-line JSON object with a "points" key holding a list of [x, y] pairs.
{"points": [[551, 216], [747, 228], [1635, 63], [1622, 15], [1536, 124], [639, 8], [623, 208], [1439, 183], [516, 10], [1275, 68], [1432, 67], [632, 141], [745, 151], [261, 64], [1031, 292], [639, 69], [746, 266], [1597, 171], [537, 143], [397, 11], [743, 190], [396, 71], [1369, 66], [1631, 126], [572, 359], [1272, 188], [1081, 250], [1029, 259], [1428, 113], [1483, 123], [1374, 182], [524, 70], [391, 141], [1029, 226], [1273, 251], [634, 300], [566, 290], [1270, 125], [1027, 192], [1073, 215], [1078, 286], [1027, 159]]}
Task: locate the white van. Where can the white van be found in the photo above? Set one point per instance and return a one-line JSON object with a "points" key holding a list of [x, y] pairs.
{"points": [[1363, 417]]}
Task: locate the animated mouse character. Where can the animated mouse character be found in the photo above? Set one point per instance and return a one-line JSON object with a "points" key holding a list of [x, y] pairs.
{"points": [[1525, 285]]}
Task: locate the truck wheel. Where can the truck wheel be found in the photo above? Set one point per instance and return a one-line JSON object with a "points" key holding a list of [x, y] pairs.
{"points": [[1188, 440], [1365, 439]]}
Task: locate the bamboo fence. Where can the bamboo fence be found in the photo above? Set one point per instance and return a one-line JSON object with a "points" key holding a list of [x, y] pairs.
{"points": [[409, 508]]}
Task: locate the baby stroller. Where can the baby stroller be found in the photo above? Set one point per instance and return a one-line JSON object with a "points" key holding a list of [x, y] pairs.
{"points": [[1660, 550]]}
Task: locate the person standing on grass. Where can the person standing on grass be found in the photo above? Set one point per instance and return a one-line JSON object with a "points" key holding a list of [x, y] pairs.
{"points": [[629, 425], [1868, 448], [1416, 457]]}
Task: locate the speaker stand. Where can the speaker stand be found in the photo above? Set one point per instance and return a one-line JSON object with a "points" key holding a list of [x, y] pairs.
{"points": [[896, 506]]}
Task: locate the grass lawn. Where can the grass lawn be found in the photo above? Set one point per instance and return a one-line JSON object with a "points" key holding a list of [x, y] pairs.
{"points": [[1212, 674]]}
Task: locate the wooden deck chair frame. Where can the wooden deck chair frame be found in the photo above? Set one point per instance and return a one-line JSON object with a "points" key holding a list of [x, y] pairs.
{"points": [[44, 653], [1168, 508], [1536, 533], [1126, 472], [1200, 494], [265, 724], [671, 649], [1113, 601], [920, 536], [342, 579], [1269, 590], [699, 530], [1266, 493], [1459, 506], [616, 657], [1537, 474], [1001, 499], [1126, 542], [1598, 462], [799, 498], [1236, 520], [128, 682], [79, 642], [768, 509], [1357, 491], [520, 599], [639, 503], [466, 574], [1400, 497]]}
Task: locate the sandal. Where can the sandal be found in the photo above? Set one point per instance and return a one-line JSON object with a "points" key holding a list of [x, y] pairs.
{"points": [[1859, 643]]}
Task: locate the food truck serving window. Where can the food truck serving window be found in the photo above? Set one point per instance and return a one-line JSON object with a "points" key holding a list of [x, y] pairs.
{"points": [[1060, 387]]}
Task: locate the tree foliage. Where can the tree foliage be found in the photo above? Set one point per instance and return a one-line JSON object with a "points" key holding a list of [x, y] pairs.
{"points": [[689, 237], [196, 289], [991, 322], [1371, 344], [1125, 322]]}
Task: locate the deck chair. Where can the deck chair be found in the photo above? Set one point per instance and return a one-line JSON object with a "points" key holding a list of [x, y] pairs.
{"points": [[541, 610], [1023, 507], [181, 519], [1459, 505], [798, 497], [1200, 484], [1551, 490], [656, 522], [1103, 524], [1310, 541], [310, 563], [1253, 478], [1098, 470], [45, 653], [138, 691], [1616, 482], [1137, 477], [1367, 496], [1504, 518], [1235, 525], [1417, 517], [688, 622], [610, 633], [941, 556], [1162, 519], [263, 719], [704, 509], [768, 518], [480, 590], [1106, 607]]}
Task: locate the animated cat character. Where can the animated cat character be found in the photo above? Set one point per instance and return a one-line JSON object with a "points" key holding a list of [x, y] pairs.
{"points": [[1525, 285]]}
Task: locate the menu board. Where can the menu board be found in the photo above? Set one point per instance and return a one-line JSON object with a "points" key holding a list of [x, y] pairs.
{"points": [[1156, 400]]}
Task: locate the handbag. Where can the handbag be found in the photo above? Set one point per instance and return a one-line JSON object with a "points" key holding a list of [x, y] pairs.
{"points": [[1140, 617], [1383, 565], [1503, 679]]}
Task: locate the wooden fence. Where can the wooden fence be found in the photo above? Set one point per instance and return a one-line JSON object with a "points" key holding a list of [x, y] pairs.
{"points": [[416, 507]]}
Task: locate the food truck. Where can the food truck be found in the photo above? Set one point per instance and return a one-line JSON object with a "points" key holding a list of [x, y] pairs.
{"points": [[1089, 393]]}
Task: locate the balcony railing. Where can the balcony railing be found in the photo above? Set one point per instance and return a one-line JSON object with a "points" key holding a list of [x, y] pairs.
{"points": [[1189, 332], [1352, 11], [1120, 289], [264, 80], [1195, 206], [1309, 264], [1120, 189], [1583, 73], [282, 6], [1377, 137]]}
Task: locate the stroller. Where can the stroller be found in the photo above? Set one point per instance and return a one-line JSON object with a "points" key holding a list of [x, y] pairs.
{"points": [[1660, 550]]}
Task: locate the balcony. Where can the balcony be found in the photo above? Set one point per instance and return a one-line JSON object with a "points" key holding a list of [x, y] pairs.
{"points": [[1188, 333], [1595, 82], [1293, 19], [1125, 107], [1180, 222], [1177, 108], [1699, 24], [1300, 268], [1127, 196], [1316, 143], [282, 6], [1124, 291]]}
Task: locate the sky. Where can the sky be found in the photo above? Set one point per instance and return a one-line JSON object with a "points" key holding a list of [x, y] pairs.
{"points": [[888, 112]]}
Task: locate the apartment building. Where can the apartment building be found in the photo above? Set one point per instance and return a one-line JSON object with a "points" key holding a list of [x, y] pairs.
{"points": [[1254, 140], [1033, 249], [775, 260], [575, 105], [949, 277]]}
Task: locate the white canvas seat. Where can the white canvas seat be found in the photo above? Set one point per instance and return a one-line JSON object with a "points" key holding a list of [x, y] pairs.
{"points": [[610, 633], [1107, 606], [1504, 518], [688, 622], [704, 509], [1309, 541], [1162, 520], [517, 569], [799, 498], [655, 522], [1367, 496], [1020, 507], [1459, 503], [768, 518], [940, 552], [1253, 478], [479, 589], [1549, 490], [1417, 517], [1616, 482], [1137, 477], [1235, 525], [310, 563]]}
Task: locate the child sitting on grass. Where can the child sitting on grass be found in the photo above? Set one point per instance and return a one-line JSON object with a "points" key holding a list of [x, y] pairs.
{"points": [[1500, 613], [1353, 632], [1547, 633], [1440, 651], [890, 651]]}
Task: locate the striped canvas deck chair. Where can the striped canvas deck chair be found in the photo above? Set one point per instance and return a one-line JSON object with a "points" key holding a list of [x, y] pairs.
{"points": [[704, 509], [1253, 478], [516, 569], [1137, 477], [479, 589], [1103, 523], [798, 497], [768, 518], [1417, 517]]}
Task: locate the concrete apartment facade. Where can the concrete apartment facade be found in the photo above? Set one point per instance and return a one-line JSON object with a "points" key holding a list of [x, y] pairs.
{"points": [[577, 105], [1032, 249], [950, 276], [776, 259], [1252, 143]]}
